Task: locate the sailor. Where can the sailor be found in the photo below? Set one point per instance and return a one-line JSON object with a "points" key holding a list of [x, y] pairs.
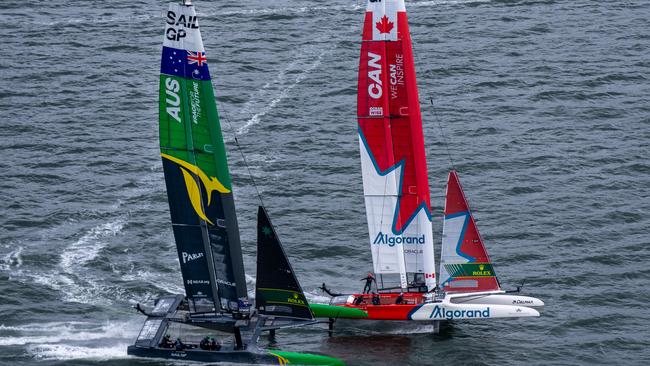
{"points": [[205, 343], [167, 342], [214, 345], [179, 345], [400, 299], [358, 300], [375, 299], [369, 279]]}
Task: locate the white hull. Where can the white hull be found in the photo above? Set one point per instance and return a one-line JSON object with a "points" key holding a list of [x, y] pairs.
{"points": [[446, 310], [496, 299]]}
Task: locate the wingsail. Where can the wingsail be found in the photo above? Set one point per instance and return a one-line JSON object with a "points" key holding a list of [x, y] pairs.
{"points": [[196, 171], [277, 290], [464, 262], [393, 161]]}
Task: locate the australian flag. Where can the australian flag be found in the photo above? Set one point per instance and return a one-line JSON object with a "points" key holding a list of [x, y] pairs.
{"points": [[183, 63]]}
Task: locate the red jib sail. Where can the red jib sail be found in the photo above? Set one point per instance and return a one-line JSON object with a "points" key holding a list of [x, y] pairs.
{"points": [[464, 262], [393, 161]]}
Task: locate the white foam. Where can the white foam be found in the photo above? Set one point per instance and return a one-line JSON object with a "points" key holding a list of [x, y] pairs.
{"points": [[12, 260], [158, 280], [71, 352], [317, 297], [86, 248], [65, 332]]}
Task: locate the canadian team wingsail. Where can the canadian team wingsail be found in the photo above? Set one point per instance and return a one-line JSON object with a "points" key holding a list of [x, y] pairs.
{"points": [[393, 162], [205, 229], [397, 199]]}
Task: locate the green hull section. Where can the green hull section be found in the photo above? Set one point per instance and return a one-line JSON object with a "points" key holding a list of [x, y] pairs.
{"points": [[331, 311], [294, 358]]}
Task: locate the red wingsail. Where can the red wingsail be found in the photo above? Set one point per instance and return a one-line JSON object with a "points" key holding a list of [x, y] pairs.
{"points": [[465, 265]]}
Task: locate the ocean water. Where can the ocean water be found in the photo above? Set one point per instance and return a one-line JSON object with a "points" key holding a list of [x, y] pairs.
{"points": [[544, 106]]}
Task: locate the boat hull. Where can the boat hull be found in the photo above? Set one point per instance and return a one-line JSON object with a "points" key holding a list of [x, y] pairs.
{"points": [[255, 356], [517, 300], [417, 307]]}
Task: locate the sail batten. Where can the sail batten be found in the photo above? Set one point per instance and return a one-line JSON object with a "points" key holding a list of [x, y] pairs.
{"points": [[196, 171], [391, 141]]}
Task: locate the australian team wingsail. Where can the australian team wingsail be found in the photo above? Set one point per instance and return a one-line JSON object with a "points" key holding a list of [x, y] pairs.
{"points": [[196, 171], [205, 228], [397, 199]]}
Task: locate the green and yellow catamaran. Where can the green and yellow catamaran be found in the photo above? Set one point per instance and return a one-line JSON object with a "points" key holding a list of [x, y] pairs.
{"points": [[213, 321]]}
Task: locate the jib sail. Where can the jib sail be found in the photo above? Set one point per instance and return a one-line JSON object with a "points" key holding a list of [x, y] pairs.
{"points": [[196, 171], [464, 262], [393, 161], [277, 291]]}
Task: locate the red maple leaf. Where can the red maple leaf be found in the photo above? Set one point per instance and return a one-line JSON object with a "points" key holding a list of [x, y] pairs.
{"points": [[385, 25]]}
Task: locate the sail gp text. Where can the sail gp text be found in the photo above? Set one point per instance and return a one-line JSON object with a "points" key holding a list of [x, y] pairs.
{"points": [[177, 24], [442, 313], [390, 240]]}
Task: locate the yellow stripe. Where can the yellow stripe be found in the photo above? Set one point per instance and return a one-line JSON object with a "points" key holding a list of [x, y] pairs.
{"points": [[210, 183], [195, 195]]}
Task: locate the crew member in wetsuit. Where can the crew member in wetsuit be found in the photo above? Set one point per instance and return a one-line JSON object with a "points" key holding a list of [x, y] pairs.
{"points": [[179, 345], [375, 299], [214, 345], [358, 300], [400, 299], [167, 342], [369, 279], [205, 343]]}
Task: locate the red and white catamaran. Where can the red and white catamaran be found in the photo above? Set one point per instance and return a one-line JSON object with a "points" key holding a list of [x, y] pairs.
{"points": [[397, 199]]}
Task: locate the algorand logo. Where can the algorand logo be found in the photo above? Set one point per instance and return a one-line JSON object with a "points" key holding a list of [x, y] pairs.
{"points": [[391, 240], [188, 257], [442, 313], [193, 190]]}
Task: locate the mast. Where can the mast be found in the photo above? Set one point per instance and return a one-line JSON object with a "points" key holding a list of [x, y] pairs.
{"points": [[393, 160], [196, 171]]}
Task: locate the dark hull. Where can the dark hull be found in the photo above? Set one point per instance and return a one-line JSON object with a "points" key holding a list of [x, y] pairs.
{"points": [[244, 356]]}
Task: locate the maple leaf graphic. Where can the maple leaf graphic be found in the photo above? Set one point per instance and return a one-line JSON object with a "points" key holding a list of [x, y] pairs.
{"points": [[385, 25]]}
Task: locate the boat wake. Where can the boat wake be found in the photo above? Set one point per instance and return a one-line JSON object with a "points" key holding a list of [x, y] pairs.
{"points": [[12, 260], [282, 85], [69, 352], [86, 248], [71, 340]]}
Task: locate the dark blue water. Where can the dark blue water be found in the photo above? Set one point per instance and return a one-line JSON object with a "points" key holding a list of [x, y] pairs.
{"points": [[545, 106]]}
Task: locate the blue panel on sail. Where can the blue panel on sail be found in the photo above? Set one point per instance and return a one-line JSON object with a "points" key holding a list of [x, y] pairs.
{"points": [[187, 64]]}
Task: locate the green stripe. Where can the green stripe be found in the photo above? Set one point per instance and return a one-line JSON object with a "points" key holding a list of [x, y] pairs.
{"points": [[470, 270], [190, 129]]}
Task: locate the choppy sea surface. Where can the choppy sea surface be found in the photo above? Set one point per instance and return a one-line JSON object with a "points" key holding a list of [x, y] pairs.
{"points": [[545, 106]]}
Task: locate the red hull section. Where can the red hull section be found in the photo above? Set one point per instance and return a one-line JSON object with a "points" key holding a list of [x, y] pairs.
{"points": [[387, 308]]}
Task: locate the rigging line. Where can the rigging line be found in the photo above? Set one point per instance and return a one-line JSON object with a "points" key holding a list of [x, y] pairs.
{"points": [[442, 133], [241, 152]]}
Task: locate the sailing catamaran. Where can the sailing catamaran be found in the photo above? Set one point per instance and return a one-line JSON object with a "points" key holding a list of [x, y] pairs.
{"points": [[205, 229], [397, 199]]}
